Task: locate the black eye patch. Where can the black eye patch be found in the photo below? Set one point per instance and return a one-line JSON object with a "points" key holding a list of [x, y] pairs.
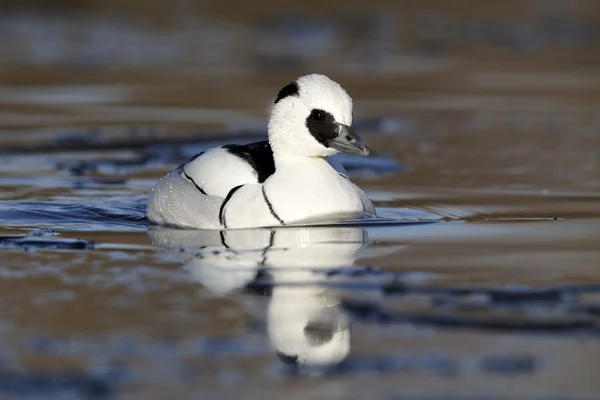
{"points": [[322, 126]]}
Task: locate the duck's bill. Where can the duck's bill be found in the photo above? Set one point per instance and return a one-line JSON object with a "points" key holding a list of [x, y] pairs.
{"points": [[348, 141]]}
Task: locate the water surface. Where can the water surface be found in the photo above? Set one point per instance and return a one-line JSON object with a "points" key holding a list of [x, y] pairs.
{"points": [[480, 279]]}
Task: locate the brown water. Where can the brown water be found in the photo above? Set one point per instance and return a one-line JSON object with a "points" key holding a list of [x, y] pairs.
{"points": [[482, 278]]}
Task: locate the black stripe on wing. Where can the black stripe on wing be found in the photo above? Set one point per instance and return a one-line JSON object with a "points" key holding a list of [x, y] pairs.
{"points": [[189, 178], [271, 209], [194, 182], [222, 210], [258, 155]]}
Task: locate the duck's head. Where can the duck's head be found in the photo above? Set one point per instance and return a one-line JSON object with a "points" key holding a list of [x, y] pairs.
{"points": [[313, 117]]}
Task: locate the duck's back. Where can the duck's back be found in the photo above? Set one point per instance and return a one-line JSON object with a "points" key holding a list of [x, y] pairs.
{"points": [[221, 169], [191, 196]]}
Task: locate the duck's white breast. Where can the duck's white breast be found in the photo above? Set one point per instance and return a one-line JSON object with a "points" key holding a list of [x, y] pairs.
{"points": [[247, 208], [312, 190]]}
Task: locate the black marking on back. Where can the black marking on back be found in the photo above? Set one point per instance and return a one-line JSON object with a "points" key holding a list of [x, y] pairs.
{"points": [[259, 155], [290, 90], [221, 214], [322, 126], [273, 213], [194, 182]]}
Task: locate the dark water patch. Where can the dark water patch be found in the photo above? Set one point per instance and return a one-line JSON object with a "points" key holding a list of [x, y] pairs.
{"points": [[55, 385], [509, 364], [506, 295], [402, 284], [115, 214], [505, 298], [124, 345], [115, 166], [77, 183], [423, 363], [510, 296], [436, 364], [432, 364], [568, 326], [55, 244], [591, 310], [353, 271], [556, 310], [44, 239]]}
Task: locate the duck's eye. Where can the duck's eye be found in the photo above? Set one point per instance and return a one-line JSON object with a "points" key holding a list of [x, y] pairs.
{"points": [[317, 115]]}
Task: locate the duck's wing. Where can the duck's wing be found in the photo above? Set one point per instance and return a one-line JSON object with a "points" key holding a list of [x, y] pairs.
{"points": [[217, 171], [192, 195]]}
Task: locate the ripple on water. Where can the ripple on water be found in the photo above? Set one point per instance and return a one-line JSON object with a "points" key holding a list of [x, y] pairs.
{"points": [[94, 215]]}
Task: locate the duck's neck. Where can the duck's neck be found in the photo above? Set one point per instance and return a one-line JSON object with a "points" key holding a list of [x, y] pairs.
{"points": [[287, 161], [291, 149]]}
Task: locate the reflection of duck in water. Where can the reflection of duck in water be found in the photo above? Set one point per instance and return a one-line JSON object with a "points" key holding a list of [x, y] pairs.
{"points": [[305, 322]]}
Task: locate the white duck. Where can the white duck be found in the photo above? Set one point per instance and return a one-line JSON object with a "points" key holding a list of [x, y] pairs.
{"points": [[286, 180]]}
